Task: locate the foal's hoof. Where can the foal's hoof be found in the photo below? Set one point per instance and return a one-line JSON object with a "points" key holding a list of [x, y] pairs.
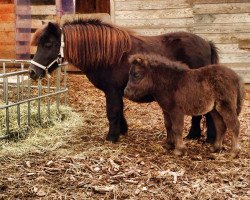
{"points": [[215, 149], [112, 138], [234, 153], [180, 152], [210, 140]]}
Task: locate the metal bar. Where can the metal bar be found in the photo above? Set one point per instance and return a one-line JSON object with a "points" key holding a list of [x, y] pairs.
{"points": [[48, 102], [22, 80], [58, 83], [13, 73], [7, 119], [14, 61], [65, 84], [18, 99], [44, 87], [4, 71], [33, 99], [39, 100], [29, 102]]}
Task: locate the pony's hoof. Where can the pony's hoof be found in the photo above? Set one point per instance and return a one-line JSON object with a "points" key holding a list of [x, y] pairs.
{"points": [[112, 138], [180, 152], [193, 134], [169, 146], [210, 140]]}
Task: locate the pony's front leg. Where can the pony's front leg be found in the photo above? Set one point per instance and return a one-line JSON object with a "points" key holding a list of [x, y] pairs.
{"points": [[117, 122]]}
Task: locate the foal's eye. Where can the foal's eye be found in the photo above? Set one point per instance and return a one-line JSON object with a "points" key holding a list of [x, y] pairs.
{"points": [[48, 44], [136, 75]]}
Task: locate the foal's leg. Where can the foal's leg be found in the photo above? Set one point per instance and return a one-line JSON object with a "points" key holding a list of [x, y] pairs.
{"points": [[220, 128], [170, 134], [177, 120], [231, 120], [117, 122]]}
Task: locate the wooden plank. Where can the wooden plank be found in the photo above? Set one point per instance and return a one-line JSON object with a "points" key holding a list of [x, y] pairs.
{"points": [[7, 51], [217, 1], [7, 17], [222, 28], [155, 23], [9, 26], [222, 18], [7, 55], [158, 31], [26, 37], [221, 8], [22, 49], [230, 48], [7, 8], [154, 14], [234, 57], [37, 10], [150, 5], [245, 44], [225, 38], [27, 23], [7, 38]]}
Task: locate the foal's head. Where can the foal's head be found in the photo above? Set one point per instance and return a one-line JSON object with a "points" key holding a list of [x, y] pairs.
{"points": [[140, 82], [48, 42]]}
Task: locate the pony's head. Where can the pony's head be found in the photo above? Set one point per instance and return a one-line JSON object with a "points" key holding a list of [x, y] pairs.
{"points": [[48, 42]]}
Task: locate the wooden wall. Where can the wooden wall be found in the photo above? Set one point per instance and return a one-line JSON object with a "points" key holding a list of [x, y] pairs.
{"points": [[226, 22], [7, 29]]}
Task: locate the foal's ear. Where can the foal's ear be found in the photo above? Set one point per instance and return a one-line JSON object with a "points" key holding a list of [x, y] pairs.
{"points": [[139, 61]]}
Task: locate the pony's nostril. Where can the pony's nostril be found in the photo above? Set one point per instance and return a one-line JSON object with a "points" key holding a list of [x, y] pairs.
{"points": [[32, 74]]}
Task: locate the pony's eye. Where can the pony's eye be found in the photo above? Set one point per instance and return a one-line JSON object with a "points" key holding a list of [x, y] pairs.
{"points": [[48, 44]]}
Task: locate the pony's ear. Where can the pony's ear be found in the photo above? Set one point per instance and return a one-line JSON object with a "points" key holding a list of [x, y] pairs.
{"points": [[54, 28]]}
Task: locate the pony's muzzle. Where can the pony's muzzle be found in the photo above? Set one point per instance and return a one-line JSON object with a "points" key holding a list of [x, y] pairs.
{"points": [[33, 74]]}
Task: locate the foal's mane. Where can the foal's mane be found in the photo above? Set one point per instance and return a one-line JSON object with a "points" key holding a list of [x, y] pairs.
{"points": [[158, 62], [92, 43]]}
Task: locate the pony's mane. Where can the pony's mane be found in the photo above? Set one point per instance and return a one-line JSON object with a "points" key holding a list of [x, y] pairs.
{"points": [[158, 61], [91, 43]]}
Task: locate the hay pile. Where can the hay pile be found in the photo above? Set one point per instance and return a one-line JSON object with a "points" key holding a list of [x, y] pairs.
{"points": [[40, 136]]}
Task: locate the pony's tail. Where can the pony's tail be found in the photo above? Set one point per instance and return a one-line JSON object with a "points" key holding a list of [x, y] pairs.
{"points": [[214, 53], [240, 96]]}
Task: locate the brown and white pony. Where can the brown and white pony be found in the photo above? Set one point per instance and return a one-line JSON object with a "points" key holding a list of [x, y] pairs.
{"points": [[101, 51]]}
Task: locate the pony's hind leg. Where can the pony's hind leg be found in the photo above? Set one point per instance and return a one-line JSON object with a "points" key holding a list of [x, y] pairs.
{"points": [[170, 135], [211, 130], [117, 122], [231, 120], [195, 130], [220, 128]]}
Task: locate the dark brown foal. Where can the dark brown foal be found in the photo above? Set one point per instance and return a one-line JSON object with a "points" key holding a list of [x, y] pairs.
{"points": [[182, 91]]}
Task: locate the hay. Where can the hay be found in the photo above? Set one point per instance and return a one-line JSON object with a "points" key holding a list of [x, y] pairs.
{"points": [[40, 137]]}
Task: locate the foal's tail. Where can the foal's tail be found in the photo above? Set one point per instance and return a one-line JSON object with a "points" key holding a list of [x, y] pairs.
{"points": [[214, 53], [240, 96]]}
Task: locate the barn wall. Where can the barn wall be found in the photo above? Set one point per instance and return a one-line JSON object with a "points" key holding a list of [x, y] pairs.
{"points": [[7, 29], [228, 25], [226, 22]]}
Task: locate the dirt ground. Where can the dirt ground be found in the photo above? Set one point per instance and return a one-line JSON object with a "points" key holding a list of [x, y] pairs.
{"points": [[137, 167]]}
